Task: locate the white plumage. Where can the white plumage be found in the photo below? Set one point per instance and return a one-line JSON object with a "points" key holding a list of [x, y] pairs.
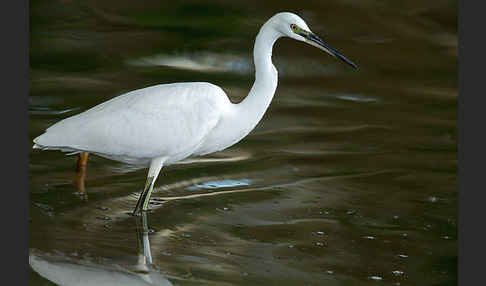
{"points": [[170, 120], [163, 124]]}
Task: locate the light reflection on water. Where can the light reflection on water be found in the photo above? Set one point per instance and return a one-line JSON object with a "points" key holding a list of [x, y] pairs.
{"points": [[48, 111], [356, 98], [211, 62], [220, 184], [206, 62]]}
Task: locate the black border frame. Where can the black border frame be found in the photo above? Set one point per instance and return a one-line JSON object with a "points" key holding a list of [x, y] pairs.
{"points": [[15, 140]]}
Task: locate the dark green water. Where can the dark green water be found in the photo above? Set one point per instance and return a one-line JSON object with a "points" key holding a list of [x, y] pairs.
{"points": [[350, 178]]}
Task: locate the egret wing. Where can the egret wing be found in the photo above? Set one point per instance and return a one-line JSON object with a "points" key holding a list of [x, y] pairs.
{"points": [[164, 120]]}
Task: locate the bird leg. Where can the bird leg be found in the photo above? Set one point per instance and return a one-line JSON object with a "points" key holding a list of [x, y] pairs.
{"points": [[144, 198], [154, 170], [79, 182], [82, 160], [81, 173]]}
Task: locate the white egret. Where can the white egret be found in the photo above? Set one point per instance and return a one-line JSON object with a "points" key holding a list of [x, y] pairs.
{"points": [[163, 124]]}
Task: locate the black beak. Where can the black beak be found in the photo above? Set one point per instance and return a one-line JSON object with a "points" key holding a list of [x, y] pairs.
{"points": [[314, 40]]}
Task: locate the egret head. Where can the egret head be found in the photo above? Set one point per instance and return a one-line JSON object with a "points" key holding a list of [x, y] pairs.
{"points": [[292, 26]]}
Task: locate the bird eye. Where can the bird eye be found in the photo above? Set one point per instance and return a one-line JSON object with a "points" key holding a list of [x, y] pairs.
{"points": [[293, 27]]}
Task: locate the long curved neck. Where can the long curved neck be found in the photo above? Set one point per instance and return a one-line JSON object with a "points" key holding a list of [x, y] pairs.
{"points": [[256, 103]]}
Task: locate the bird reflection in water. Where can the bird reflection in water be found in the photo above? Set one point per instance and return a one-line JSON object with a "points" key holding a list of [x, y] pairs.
{"points": [[62, 270]]}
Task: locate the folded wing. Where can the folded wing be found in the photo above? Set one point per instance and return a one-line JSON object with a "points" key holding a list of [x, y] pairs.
{"points": [[162, 120]]}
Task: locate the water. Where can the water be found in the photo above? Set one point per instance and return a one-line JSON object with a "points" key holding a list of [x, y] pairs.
{"points": [[350, 178]]}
